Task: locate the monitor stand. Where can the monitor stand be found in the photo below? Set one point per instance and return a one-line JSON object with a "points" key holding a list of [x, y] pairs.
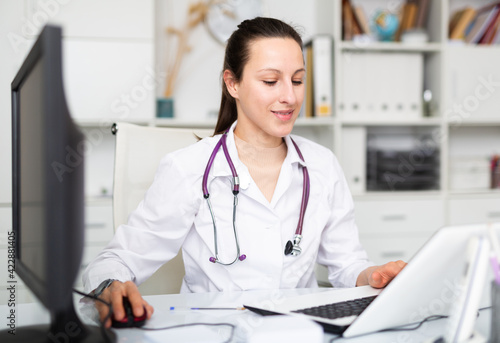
{"points": [[65, 327]]}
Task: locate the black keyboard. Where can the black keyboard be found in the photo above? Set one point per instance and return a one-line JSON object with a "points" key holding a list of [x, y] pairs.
{"points": [[339, 310]]}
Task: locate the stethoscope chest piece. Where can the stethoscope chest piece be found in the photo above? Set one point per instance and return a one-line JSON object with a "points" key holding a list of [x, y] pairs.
{"points": [[294, 248]]}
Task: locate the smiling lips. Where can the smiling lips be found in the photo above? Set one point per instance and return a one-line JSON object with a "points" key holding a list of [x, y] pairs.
{"points": [[283, 115]]}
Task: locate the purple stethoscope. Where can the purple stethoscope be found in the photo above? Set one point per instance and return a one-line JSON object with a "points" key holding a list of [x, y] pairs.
{"points": [[290, 248]]}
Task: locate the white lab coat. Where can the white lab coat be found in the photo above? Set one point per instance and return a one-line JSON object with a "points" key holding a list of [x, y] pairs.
{"points": [[174, 215]]}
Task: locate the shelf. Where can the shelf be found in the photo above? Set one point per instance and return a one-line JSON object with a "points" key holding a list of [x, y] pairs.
{"points": [[392, 122], [179, 123], [390, 46], [91, 123], [398, 195], [315, 121], [174, 122], [453, 45], [99, 200], [476, 122], [301, 122], [470, 193]]}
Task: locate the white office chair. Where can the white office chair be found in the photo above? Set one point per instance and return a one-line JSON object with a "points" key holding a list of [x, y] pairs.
{"points": [[138, 152]]}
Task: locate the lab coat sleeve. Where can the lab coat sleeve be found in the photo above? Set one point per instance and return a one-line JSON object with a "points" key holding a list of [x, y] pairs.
{"points": [[340, 249], [155, 230]]}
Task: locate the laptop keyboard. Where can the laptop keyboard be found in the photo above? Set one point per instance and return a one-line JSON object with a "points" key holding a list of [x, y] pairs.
{"points": [[339, 310]]}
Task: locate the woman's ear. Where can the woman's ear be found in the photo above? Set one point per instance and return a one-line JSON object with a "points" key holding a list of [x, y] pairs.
{"points": [[231, 84]]}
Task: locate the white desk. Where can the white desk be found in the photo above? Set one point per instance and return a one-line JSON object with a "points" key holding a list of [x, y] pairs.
{"points": [[28, 314]]}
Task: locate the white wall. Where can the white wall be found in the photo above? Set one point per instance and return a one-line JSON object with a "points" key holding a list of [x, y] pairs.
{"points": [[198, 88]]}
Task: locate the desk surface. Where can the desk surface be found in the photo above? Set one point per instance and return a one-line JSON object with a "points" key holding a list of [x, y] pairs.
{"points": [[28, 314]]}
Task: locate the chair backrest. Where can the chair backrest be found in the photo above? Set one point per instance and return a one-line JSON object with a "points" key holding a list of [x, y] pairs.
{"points": [[138, 151]]}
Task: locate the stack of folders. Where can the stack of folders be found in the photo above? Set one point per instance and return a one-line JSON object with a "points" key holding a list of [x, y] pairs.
{"points": [[318, 55]]}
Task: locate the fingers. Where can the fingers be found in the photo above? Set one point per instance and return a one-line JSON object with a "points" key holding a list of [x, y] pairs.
{"points": [[384, 274], [114, 294]]}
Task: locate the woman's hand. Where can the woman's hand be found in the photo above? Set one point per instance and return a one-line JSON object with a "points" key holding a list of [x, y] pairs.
{"points": [[114, 294], [380, 276]]}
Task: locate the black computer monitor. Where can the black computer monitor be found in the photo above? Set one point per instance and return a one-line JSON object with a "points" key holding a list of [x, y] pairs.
{"points": [[48, 194]]}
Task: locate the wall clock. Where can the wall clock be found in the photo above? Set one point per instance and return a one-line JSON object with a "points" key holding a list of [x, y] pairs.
{"points": [[223, 17]]}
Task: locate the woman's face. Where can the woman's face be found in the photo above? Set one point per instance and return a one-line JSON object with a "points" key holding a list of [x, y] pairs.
{"points": [[271, 91]]}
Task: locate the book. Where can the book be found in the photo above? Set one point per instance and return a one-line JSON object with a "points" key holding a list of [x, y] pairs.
{"points": [[408, 17], [360, 16], [480, 23], [423, 11], [454, 20], [462, 22], [350, 24], [491, 30]]}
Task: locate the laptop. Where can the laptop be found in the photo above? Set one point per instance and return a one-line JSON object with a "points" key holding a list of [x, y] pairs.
{"points": [[429, 285]]}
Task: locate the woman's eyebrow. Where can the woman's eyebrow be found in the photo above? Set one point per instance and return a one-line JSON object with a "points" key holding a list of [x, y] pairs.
{"points": [[277, 71]]}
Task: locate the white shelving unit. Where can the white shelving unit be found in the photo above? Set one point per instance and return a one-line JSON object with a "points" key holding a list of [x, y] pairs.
{"points": [[394, 224]]}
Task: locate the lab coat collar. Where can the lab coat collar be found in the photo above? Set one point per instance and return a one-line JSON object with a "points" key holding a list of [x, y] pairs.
{"points": [[292, 154], [221, 167]]}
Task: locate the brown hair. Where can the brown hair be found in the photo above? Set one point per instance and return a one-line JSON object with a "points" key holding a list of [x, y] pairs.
{"points": [[237, 56]]}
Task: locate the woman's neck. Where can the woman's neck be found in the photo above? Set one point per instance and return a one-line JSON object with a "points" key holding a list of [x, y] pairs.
{"points": [[264, 164], [256, 138]]}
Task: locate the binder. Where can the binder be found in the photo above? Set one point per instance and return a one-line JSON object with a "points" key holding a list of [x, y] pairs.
{"points": [[322, 49], [308, 106], [381, 85]]}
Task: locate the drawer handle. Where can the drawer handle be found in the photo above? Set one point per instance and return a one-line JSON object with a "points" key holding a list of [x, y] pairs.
{"points": [[494, 215], [95, 225], [394, 217]]}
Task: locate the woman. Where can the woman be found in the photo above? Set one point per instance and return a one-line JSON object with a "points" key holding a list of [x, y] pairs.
{"points": [[263, 91]]}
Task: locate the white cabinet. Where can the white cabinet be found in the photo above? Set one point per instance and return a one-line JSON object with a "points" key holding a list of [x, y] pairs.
{"points": [[382, 249], [474, 76], [108, 55], [462, 129], [98, 231], [394, 230], [109, 73], [470, 210], [399, 217], [122, 19]]}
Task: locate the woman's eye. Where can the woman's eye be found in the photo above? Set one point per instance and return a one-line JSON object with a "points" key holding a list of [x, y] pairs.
{"points": [[270, 83], [297, 82]]}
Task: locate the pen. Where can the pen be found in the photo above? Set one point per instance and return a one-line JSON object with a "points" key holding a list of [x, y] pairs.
{"points": [[178, 308]]}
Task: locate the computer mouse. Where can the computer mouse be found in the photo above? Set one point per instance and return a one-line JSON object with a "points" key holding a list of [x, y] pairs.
{"points": [[129, 321]]}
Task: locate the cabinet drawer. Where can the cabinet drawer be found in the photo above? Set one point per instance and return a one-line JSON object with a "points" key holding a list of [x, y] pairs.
{"points": [[395, 217], [468, 211], [384, 249], [98, 223]]}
